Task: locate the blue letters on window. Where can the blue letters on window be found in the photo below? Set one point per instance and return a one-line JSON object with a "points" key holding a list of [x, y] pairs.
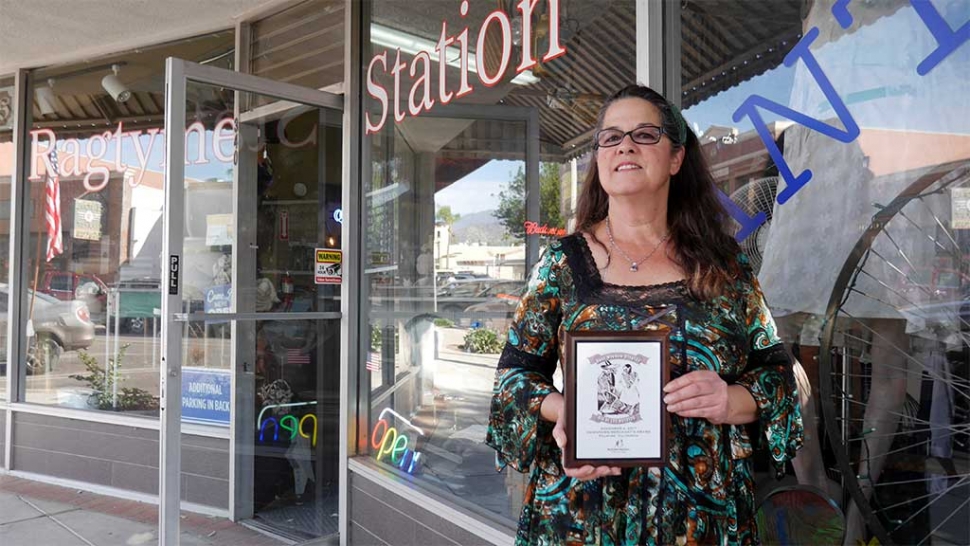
{"points": [[748, 223], [947, 40], [841, 13], [750, 107]]}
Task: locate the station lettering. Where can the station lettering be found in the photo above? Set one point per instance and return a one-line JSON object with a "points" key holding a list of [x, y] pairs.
{"points": [[421, 63]]}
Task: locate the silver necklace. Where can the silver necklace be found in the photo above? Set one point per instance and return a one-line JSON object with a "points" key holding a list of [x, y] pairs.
{"points": [[634, 264]]}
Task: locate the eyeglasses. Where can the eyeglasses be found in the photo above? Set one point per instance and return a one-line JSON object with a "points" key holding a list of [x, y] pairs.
{"points": [[644, 134]]}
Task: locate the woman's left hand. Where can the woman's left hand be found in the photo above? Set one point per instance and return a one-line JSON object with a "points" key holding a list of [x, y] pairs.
{"points": [[700, 394]]}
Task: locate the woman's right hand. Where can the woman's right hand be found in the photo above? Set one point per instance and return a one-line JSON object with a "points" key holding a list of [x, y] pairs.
{"points": [[583, 473]]}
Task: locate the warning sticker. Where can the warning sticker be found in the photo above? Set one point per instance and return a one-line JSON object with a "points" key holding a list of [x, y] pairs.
{"points": [[328, 266]]}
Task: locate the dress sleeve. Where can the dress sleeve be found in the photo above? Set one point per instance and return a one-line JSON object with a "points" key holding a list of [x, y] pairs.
{"points": [[524, 376], [770, 379]]}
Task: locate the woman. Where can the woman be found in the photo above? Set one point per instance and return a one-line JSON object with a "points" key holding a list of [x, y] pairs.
{"points": [[630, 393], [650, 234]]}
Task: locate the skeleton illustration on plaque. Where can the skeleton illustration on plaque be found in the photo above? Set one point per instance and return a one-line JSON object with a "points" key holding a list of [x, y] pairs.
{"points": [[617, 391]]}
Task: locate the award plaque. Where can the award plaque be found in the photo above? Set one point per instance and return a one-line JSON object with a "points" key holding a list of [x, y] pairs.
{"points": [[615, 415]]}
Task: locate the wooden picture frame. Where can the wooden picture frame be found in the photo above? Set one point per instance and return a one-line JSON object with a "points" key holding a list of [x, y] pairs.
{"points": [[615, 414]]}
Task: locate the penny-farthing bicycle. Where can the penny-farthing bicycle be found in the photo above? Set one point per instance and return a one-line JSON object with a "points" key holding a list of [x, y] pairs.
{"points": [[895, 390]]}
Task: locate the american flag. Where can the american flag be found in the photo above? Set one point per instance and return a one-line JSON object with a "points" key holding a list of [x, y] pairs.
{"points": [[373, 361], [296, 356], [52, 210]]}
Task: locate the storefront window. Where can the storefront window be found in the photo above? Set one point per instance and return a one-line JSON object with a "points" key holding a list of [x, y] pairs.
{"points": [[471, 168], [94, 226], [302, 45], [7, 106], [861, 244]]}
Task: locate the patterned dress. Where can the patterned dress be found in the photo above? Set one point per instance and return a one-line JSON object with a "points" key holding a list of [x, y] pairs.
{"points": [[705, 494]]}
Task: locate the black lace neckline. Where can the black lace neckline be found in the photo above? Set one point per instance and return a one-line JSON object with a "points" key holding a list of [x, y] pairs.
{"points": [[597, 280], [590, 288]]}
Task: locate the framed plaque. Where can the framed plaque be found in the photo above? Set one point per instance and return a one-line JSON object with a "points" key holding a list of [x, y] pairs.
{"points": [[615, 415]]}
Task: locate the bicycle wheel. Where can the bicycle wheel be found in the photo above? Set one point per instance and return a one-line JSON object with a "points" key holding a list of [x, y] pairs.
{"points": [[895, 389]]}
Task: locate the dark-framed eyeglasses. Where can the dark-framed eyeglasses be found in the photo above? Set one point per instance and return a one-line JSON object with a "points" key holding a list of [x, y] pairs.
{"points": [[644, 134]]}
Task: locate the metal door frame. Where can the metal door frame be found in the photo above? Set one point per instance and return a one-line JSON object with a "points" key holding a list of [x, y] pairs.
{"points": [[178, 73]]}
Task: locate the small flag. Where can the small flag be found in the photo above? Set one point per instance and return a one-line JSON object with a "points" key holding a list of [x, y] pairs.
{"points": [[296, 356], [52, 210], [373, 361]]}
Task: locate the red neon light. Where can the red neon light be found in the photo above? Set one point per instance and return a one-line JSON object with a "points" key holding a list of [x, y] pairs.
{"points": [[533, 228]]}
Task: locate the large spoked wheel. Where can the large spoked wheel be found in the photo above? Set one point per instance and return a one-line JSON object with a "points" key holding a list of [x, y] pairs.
{"points": [[893, 365], [43, 354]]}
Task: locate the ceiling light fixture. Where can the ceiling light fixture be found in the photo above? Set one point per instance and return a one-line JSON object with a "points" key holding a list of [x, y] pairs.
{"points": [[46, 100], [114, 86]]}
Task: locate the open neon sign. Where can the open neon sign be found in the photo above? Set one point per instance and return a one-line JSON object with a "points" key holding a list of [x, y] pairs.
{"points": [[394, 445], [289, 423]]}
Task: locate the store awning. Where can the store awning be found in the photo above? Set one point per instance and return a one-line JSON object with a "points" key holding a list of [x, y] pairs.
{"points": [[139, 304]]}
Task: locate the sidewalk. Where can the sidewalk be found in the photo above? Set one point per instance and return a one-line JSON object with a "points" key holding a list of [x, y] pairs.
{"points": [[39, 514]]}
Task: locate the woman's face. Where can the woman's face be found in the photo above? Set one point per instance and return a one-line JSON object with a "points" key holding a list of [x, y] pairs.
{"points": [[630, 169]]}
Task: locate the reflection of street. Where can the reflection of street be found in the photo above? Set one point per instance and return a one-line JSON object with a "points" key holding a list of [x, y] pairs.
{"points": [[138, 369], [456, 455]]}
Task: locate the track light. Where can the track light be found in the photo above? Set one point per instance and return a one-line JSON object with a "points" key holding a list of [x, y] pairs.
{"points": [[114, 86], [45, 98]]}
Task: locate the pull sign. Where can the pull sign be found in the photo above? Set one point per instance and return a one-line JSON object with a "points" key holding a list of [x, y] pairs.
{"points": [[173, 275], [284, 226]]}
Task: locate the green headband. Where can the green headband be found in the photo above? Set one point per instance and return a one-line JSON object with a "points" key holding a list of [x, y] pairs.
{"points": [[681, 124]]}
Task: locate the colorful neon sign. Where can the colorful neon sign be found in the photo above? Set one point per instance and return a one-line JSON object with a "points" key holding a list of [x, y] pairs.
{"points": [[394, 445], [289, 423], [421, 62]]}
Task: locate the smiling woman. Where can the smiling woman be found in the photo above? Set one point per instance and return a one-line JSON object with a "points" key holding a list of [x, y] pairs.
{"points": [[728, 369]]}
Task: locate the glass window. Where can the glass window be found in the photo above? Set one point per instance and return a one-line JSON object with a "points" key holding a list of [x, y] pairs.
{"points": [[861, 245], [7, 106], [94, 238], [302, 45], [448, 237], [286, 173]]}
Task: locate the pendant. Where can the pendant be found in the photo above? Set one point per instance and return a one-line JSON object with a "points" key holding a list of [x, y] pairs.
{"points": [[633, 267]]}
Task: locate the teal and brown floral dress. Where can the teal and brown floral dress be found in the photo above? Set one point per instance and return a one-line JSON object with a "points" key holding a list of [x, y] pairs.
{"points": [[705, 494]]}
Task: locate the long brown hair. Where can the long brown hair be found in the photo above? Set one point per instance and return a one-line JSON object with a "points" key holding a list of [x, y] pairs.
{"points": [[698, 223]]}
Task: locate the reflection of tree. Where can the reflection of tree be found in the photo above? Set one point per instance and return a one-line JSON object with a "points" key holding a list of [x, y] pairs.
{"points": [[511, 207], [445, 215]]}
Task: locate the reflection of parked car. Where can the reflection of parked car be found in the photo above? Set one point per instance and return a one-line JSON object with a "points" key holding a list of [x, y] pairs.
{"points": [[496, 311], [67, 286], [458, 295], [58, 326]]}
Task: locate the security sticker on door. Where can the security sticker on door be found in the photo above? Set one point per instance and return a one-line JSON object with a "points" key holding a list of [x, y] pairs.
{"points": [[328, 263]]}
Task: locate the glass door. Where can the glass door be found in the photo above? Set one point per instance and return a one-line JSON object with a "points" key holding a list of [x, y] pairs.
{"points": [[251, 303]]}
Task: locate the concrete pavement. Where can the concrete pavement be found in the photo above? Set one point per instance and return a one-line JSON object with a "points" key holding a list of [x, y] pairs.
{"points": [[39, 514]]}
